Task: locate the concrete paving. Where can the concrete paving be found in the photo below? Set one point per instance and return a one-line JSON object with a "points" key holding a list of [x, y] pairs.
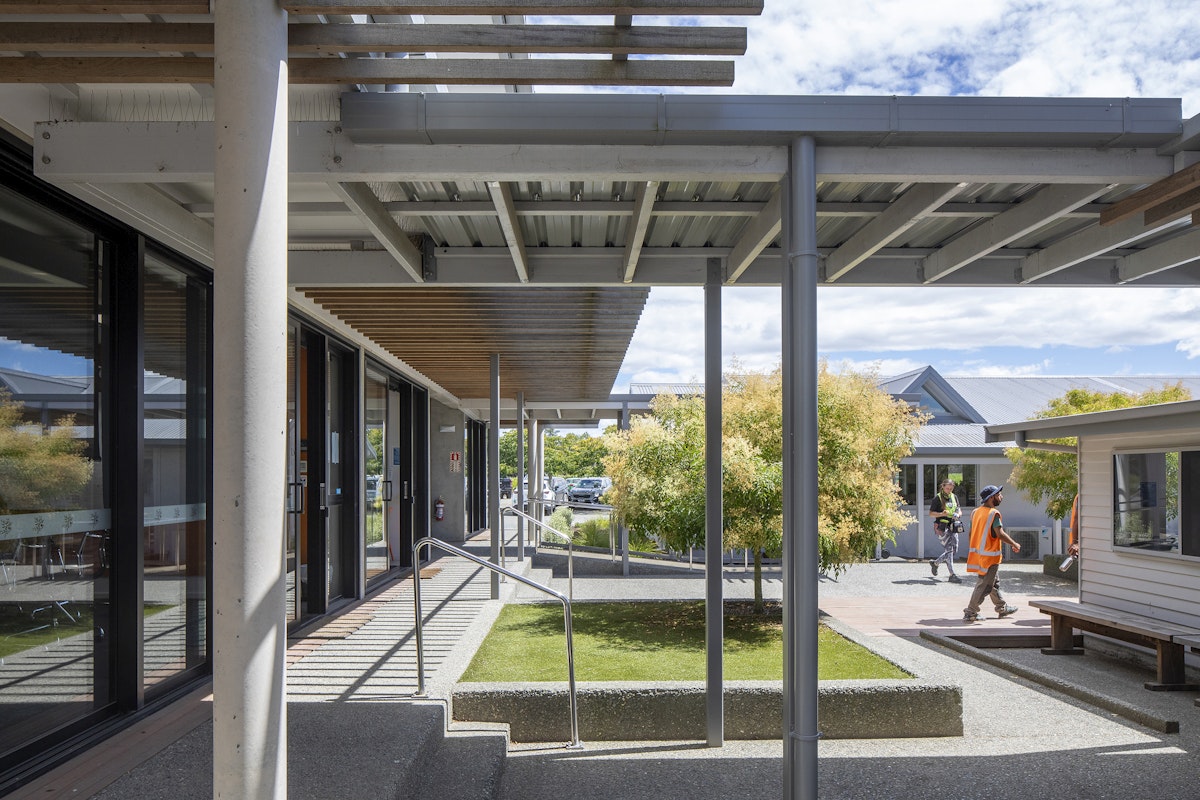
{"points": [[1023, 739]]}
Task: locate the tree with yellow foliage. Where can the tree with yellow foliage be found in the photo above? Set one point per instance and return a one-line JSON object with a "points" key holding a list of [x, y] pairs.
{"points": [[40, 470], [657, 467]]}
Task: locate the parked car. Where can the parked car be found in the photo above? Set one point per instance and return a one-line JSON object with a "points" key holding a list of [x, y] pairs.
{"points": [[506, 488], [588, 490], [548, 497]]}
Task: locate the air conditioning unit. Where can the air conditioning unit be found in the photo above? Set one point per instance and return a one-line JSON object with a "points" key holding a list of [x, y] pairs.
{"points": [[1028, 539]]}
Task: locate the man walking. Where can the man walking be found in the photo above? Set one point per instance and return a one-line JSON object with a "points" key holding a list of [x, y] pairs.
{"points": [[987, 536]]}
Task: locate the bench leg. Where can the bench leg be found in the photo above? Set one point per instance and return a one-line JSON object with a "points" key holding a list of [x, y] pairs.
{"points": [[1062, 638], [1171, 677]]}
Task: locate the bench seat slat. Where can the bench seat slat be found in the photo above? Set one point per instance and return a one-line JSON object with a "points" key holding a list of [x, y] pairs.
{"points": [[1115, 618]]}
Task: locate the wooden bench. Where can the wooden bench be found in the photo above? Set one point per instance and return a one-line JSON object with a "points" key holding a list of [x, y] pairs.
{"points": [[1168, 640]]}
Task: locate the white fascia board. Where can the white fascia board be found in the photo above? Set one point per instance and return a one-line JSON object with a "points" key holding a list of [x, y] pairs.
{"points": [[991, 165], [160, 152]]}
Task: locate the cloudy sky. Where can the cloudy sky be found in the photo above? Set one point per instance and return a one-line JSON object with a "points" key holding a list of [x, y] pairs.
{"points": [[1037, 48]]}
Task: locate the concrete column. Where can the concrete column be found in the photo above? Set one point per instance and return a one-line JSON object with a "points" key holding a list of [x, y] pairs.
{"points": [[714, 605], [250, 400], [493, 475], [800, 558], [537, 451], [520, 470]]}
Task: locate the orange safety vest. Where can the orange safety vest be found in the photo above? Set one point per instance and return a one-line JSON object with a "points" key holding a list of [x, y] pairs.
{"points": [[985, 548]]}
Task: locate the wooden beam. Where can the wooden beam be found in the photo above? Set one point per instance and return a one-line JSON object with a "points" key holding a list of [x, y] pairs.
{"points": [[106, 70], [104, 7], [470, 71], [507, 214], [109, 37], [1171, 186], [406, 38], [527, 72], [332, 39], [635, 236], [1177, 207], [531, 7]]}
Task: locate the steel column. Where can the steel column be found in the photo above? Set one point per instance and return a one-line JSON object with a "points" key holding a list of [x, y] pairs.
{"points": [[493, 473], [249, 398], [520, 471], [800, 561], [714, 606]]}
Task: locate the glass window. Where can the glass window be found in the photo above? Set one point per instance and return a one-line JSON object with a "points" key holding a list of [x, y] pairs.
{"points": [[55, 534], [906, 484], [376, 490], [965, 477], [175, 488], [1154, 506]]}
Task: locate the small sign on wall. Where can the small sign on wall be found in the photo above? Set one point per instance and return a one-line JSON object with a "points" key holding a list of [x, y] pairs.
{"points": [[455, 461]]}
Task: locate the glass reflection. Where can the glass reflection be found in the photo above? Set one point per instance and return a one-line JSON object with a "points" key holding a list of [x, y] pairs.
{"points": [[55, 542]]}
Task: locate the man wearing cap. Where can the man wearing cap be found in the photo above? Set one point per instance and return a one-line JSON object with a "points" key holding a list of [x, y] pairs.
{"points": [[985, 555]]}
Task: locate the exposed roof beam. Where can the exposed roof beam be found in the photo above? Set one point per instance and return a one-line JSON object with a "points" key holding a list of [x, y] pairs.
{"points": [[332, 39], [623, 208], [1078, 247], [147, 210], [1046, 205], [1158, 192], [363, 202], [315, 71], [903, 213], [178, 151], [529, 7], [104, 7], [502, 198], [1169, 254], [1178, 207], [754, 238], [643, 206], [433, 38]]}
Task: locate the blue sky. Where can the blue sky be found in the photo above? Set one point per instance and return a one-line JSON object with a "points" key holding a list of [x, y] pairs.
{"points": [[1034, 48]]}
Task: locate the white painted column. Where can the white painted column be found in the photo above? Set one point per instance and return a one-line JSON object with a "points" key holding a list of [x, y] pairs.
{"points": [[495, 522], [249, 401]]}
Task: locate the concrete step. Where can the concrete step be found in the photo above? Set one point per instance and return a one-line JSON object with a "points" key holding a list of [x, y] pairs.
{"points": [[466, 764], [686, 770]]}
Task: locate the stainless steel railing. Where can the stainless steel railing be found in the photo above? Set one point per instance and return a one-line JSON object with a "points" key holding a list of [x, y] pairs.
{"points": [[429, 541], [544, 527]]}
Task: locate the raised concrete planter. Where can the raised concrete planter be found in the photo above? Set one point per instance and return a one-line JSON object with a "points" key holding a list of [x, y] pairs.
{"points": [[675, 710]]}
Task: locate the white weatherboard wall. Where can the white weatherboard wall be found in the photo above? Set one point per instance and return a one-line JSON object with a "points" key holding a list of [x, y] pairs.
{"points": [[1158, 586]]}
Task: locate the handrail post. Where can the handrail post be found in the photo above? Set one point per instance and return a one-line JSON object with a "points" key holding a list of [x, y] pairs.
{"points": [[429, 541], [417, 608]]}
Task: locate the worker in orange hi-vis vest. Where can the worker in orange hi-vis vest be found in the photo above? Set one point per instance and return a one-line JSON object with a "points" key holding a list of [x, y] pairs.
{"points": [[985, 555]]}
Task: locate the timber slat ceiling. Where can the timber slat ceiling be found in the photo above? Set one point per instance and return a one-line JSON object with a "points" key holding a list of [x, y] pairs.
{"points": [[165, 51], [555, 344]]}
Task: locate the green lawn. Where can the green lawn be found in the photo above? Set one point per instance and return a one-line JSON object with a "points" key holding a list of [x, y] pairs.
{"points": [[651, 641]]}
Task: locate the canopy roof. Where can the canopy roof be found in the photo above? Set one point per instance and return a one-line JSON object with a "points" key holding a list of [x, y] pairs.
{"points": [[533, 225]]}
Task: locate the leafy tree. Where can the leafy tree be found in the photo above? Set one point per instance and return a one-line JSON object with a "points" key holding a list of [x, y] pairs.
{"points": [[374, 464], [657, 467], [40, 470], [1052, 476], [572, 454]]}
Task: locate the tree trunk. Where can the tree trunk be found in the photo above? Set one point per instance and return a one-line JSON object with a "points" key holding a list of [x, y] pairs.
{"points": [[759, 608]]}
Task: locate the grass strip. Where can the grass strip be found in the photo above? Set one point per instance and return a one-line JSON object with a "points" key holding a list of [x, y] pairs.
{"points": [[654, 641]]}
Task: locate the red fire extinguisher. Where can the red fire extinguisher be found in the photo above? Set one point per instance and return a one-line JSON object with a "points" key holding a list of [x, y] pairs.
{"points": [[439, 509]]}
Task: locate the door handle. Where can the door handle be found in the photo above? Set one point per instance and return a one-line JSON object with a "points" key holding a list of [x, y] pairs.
{"points": [[387, 491]]}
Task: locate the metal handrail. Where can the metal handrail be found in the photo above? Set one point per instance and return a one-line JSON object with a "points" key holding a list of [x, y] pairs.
{"points": [[429, 541], [556, 532]]}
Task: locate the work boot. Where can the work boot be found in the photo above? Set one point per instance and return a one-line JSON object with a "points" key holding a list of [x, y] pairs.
{"points": [[933, 567], [1007, 611]]}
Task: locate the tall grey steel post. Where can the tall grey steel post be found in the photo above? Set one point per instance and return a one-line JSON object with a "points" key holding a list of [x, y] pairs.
{"points": [[714, 631], [249, 749], [520, 460], [623, 424], [800, 560], [493, 474]]}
